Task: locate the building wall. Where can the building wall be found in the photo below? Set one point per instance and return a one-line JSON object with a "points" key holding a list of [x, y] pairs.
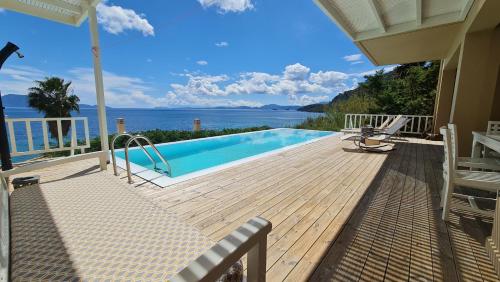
{"points": [[475, 85], [495, 110]]}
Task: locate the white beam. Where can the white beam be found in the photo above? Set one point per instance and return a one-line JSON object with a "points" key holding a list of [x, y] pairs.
{"points": [[99, 84], [65, 5], [35, 11], [419, 12], [466, 9], [377, 14], [331, 12]]}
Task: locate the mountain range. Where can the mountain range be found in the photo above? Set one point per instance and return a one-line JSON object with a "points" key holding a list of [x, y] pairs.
{"points": [[21, 101]]}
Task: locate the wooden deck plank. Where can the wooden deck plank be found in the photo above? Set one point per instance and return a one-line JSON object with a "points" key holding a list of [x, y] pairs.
{"points": [[338, 215]]}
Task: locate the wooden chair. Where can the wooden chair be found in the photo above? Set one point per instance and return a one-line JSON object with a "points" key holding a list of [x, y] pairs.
{"points": [[486, 181], [465, 162], [493, 129]]}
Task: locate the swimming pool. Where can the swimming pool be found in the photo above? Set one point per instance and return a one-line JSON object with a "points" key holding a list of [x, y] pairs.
{"points": [[193, 157]]}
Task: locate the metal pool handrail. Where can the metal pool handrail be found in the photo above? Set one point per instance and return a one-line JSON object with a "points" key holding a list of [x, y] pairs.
{"points": [[127, 161], [137, 142]]}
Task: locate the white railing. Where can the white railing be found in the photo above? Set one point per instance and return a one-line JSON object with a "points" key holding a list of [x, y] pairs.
{"points": [[416, 124], [250, 239], [33, 146], [4, 230]]}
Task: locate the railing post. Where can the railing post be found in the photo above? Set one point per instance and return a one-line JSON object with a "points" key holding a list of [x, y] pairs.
{"points": [[257, 261], [73, 136]]}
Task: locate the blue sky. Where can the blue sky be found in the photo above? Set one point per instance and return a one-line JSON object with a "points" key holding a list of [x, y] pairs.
{"points": [[195, 53]]}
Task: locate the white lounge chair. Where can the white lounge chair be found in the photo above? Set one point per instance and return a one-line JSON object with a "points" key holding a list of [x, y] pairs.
{"points": [[486, 181], [386, 124], [374, 141]]}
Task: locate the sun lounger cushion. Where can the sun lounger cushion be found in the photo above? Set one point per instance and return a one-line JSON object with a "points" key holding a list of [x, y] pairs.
{"points": [[95, 227]]}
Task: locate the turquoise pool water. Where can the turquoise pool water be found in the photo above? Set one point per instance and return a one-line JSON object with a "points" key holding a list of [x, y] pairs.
{"points": [[195, 155]]}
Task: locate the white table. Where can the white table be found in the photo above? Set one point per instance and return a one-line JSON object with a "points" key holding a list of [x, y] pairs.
{"points": [[493, 242], [481, 138]]}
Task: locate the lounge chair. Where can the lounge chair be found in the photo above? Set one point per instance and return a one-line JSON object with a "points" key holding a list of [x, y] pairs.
{"points": [[386, 124], [374, 140], [94, 227]]}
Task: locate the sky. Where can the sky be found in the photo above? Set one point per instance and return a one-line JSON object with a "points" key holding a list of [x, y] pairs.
{"points": [[190, 53]]}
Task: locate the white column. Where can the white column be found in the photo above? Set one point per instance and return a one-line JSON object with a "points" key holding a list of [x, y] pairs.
{"points": [[99, 86]]}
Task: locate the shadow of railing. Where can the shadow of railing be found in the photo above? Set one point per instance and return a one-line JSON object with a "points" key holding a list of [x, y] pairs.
{"points": [[36, 242], [396, 231]]}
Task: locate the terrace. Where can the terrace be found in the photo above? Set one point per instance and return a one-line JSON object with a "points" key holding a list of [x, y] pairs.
{"points": [[337, 213]]}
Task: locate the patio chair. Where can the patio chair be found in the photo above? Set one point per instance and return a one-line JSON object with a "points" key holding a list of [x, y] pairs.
{"points": [[493, 129], [466, 162], [386, 124], [94, 227], [485, 181], [373, 141]]}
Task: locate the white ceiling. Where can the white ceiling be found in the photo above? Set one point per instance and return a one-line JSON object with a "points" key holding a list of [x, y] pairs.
{"points": [[72, 12], [366, 19]]}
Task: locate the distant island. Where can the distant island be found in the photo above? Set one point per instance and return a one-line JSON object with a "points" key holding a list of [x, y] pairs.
{"points": [[21, 101], [265, 107]]}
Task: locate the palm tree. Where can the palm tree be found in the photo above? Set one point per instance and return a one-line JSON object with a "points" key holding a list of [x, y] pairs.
{"points": [[54, 97]]}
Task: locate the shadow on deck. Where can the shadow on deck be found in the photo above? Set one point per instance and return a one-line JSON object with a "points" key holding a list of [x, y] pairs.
{"points": [[396, 232]]}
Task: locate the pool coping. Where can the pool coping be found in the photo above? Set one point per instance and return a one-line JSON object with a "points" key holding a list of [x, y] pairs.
{"points": [[165, 181]]}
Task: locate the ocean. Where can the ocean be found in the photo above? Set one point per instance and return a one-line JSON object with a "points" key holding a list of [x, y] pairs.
{"points": [[167, 119], [180, 119]]}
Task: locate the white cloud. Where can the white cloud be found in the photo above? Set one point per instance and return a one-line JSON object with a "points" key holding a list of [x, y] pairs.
{"points": [[307, 100], [373, 71], [225, 6], [17, 79], [202, 62], [352, 58], [116, 20], [149, 60], [221, 44], [296, 82], [296, 72]]}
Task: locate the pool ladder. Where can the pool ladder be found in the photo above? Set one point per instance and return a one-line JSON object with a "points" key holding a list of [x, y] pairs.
{"points": [[135, 139]]}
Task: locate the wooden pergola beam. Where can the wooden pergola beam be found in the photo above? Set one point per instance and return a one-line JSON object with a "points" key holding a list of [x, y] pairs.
{"points": [[378, 15], [419, 12]]}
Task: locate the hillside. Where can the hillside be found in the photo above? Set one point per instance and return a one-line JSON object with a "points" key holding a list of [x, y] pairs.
{"points": [[407, 89]]}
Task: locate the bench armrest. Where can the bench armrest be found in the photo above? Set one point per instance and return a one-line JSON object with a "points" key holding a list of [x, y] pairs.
{"points": [[250, 238]]}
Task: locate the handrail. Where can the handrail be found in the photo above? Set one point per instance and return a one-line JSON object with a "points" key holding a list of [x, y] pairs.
{"points": [[4, 230], [417, 124], [127, 161], [35, 146], [250, 238], [113, 157]]}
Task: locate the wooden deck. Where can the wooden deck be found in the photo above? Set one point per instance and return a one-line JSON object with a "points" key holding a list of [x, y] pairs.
{"points": [[337, 214]]}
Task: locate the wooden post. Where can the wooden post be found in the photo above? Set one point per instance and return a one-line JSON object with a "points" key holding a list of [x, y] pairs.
{"points": [[197, 125], [99, 87], [120, 125], [257, 262]]}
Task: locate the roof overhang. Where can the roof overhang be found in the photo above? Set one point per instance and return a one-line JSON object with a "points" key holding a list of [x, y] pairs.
{"points": [[71, 12], [399, 31]]}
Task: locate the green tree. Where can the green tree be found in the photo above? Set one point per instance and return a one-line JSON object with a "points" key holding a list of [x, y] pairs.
{"points": [[53, 96]]}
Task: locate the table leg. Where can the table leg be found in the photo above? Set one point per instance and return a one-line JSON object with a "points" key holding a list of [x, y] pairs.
{"points": [[476, 149]]}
